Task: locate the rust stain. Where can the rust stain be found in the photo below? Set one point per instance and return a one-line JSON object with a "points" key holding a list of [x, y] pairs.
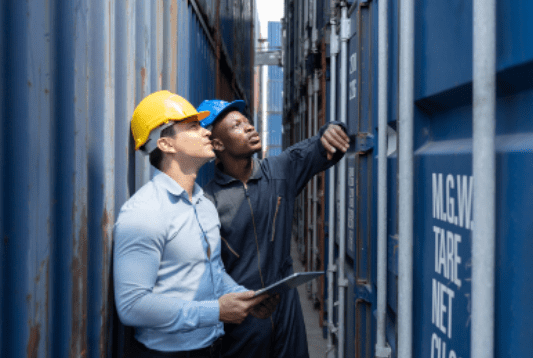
{"points": [[32, 349], [143, 78], [41, 267], [78, 342], [107, 285], [47, 340], [29, 84]]}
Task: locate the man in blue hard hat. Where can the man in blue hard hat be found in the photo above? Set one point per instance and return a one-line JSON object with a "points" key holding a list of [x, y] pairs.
{"points": [[255, 202]]}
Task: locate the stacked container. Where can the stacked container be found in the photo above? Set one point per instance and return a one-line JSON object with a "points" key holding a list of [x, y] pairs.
{"points": [[71, 74], [274, 94], [427, 259]]}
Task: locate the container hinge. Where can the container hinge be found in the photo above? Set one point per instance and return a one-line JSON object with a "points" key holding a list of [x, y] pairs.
{"points": [[363, 292], [383, 352], [345, 29], [332, 328], [334, 43], [343, 282], [332, 268], [364, 142], [314, 39]]}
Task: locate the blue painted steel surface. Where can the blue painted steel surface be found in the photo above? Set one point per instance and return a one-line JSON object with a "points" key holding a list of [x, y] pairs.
{"points": [[444, 132], [323, 13], [351, 317], [275, 73], [274, 34], [236, 22], [71, 74], [274, 96], [443, 144], [274, 134]]}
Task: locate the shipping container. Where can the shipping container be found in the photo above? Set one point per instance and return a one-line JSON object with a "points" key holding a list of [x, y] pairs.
{"points": [[71, 74], [452, 265], [274, 98]]}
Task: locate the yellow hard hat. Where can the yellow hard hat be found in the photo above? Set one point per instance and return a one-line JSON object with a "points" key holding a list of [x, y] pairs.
{"points": [[156, 112]]}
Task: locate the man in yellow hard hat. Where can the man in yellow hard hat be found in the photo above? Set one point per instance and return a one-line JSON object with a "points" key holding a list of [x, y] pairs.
{"points": [[170, 283]]}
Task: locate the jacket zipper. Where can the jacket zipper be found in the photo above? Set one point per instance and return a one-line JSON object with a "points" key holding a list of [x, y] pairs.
{"points": [[230, 248], [257, 246], [255, 234]]}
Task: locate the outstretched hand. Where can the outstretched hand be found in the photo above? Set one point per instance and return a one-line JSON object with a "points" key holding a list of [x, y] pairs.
{"points": [[333, 139]]}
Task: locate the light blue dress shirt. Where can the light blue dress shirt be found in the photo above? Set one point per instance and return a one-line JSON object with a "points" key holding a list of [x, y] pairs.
{"points": [[166, 285]]}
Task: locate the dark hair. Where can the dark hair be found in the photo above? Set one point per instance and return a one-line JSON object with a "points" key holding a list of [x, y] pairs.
{"points": [[156, 156]]}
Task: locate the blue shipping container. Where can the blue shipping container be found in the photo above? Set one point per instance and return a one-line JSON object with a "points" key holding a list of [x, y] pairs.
{"points": [[443, 225], [71, 74]]}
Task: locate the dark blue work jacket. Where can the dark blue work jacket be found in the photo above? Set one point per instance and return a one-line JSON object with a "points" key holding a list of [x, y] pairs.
{"points": [[256, 217]]}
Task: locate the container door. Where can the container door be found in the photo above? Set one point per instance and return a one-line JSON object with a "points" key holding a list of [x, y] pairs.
{"points": [[360, 177]]}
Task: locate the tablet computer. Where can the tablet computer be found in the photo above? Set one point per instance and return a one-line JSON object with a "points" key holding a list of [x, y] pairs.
{"points": [[296, 279]]}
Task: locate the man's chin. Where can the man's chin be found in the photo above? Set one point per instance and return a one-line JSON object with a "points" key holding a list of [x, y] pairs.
{"points": [[205, 159], [257, 149]]}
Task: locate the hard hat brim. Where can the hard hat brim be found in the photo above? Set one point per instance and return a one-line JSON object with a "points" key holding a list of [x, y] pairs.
{"points": [[202, 115], [239, 105]]}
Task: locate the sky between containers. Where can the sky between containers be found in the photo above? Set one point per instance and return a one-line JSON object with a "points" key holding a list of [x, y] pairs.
{"points": [[269, 10]]}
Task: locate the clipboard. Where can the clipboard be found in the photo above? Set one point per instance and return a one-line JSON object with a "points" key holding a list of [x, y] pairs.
{"points": [[296, 279]]}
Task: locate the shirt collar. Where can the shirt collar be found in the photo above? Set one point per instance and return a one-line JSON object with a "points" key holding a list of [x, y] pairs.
{"points": [[222, 178], [174, 188]]}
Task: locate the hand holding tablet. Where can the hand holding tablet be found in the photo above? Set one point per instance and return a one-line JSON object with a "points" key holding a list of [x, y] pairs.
{"points": [[294, 280]]}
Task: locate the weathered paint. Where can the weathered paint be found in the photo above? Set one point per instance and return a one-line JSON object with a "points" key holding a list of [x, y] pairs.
{"points": [[71, 74], [443, 146]]}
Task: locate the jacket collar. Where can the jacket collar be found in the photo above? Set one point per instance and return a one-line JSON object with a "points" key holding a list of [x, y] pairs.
{"points": [[222, 178], [163, 180]]}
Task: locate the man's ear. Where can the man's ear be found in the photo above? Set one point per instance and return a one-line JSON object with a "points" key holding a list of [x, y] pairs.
{"points": [[217, 145], [165, 145]]}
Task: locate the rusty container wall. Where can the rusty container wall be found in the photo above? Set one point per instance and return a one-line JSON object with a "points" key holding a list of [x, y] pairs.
{"points": [[321, 212], [299, 69], [71, 74], [236, 43]]}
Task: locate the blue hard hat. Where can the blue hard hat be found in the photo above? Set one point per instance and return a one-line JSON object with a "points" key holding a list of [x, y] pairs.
{"points": [[216, 107]]}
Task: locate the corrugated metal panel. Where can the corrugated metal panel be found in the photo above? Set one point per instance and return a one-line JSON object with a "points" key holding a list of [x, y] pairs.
{"points": [[443, 139], [275, 73], [323, 13], [71, 74], [275, 96], [444, 142], [274, 34], [274, 130], [208, 8], [236, 24]]}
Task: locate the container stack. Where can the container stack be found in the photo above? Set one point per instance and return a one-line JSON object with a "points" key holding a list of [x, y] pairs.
{"points": [[71, 74], [415, 265]]}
